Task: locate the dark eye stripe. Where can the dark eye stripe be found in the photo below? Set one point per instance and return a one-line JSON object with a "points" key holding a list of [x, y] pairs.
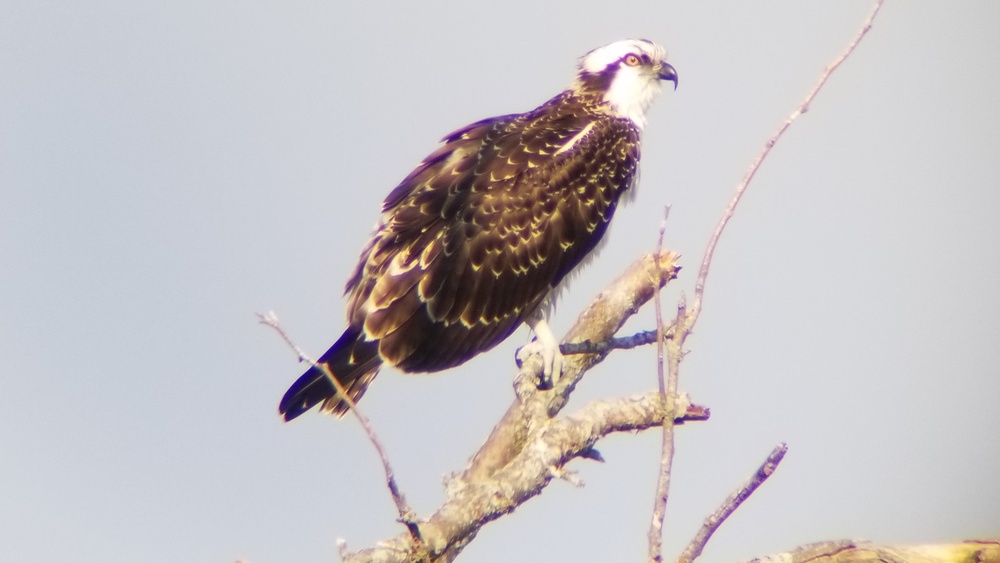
{"points": [[643, 58]]}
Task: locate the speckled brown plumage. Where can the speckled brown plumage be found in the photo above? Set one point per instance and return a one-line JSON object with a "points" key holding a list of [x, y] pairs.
{"points": [[474, 239]]}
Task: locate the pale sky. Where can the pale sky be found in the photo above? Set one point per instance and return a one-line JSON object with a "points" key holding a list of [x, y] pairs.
{"points": [[167, 169]]}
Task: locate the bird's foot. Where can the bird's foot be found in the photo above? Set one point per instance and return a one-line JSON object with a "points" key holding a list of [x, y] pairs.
{"points": [[548, 351]]}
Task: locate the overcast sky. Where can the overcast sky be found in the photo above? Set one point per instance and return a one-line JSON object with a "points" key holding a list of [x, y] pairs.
{"points": [[167, 169]]}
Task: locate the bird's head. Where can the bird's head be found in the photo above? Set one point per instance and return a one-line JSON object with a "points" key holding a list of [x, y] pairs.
{"points": [[627, 74]]}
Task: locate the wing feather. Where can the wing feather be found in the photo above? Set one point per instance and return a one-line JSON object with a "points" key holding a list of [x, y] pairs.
{"points": [[475, 238]]}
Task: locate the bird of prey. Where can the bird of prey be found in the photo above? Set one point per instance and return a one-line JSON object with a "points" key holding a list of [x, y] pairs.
{"points": [[479, 236]]}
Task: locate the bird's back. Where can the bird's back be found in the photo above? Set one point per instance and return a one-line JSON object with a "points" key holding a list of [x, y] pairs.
{"points": [[475, 238]]}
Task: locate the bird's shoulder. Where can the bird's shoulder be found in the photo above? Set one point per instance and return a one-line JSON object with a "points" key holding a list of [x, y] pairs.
{"points": [[487, 183], [496, 151]]}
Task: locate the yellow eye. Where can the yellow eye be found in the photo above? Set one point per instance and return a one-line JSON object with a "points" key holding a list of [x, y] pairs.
{"points": [[632, 60]]}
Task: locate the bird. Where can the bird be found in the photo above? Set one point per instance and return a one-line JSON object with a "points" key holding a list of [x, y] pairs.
{"points": [[483, 233]]}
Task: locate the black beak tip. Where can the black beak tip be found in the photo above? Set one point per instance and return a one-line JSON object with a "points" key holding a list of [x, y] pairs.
{"points": [[668, 72]]}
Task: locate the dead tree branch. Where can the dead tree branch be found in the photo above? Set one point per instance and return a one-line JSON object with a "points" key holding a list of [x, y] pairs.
{"points": [[668, 389], [406, 514], [532, 444], [851, 551], [706, 262], [688, 317], [712, 523]]}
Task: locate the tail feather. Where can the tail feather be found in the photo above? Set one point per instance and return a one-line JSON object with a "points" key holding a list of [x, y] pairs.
{"points": [[352, 360]]}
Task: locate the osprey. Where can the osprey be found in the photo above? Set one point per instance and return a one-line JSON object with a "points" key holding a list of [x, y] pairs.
{"points": [[475, 240]]}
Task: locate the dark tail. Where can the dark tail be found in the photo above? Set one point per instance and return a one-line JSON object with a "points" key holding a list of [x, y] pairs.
{"points": [[352, 360]]}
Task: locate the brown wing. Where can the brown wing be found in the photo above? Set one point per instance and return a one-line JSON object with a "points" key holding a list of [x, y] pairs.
{"points": [[474, 239]]}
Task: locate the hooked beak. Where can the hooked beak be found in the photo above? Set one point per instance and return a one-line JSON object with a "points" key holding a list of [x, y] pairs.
{"points": [[668, 72]]}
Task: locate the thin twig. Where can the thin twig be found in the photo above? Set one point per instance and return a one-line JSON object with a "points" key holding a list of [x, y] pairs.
{"points": [[712, 523], [406, 515], [686, 318], [667, 400], [643, 338], [699, 286]]}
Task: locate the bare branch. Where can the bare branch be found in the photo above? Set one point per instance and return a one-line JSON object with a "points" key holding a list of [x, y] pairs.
{"points": [[270, 319], [712, 523], [406, 515], [598, 322], [851, 551], [686, 318], [655, 534], [643, 338], [699, 286], [531, 445], [471, 505]]}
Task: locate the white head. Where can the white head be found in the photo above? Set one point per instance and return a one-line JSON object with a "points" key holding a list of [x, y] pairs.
{"points": [[629, 73]]}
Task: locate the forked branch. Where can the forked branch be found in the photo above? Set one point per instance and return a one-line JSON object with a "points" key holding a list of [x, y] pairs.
{"points": [[533, 444], [688, 317]]}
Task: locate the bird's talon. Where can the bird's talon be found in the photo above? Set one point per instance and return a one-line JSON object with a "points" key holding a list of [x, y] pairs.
{"points": [[524, 352], [551, 361]]}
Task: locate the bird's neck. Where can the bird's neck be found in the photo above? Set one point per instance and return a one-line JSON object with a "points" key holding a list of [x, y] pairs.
{"points": [[595, 92]]}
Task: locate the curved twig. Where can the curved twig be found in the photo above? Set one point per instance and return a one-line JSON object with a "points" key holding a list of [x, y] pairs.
{"points": [[706, 262], [406, 515], [688, 317]]}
